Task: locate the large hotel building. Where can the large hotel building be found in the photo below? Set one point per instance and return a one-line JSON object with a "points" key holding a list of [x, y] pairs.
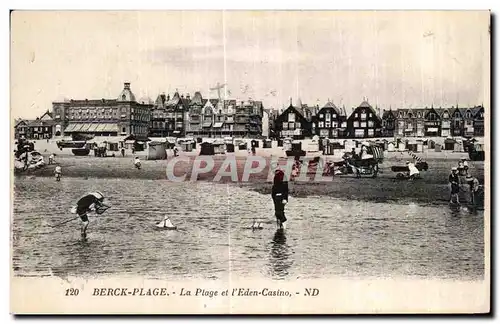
{"points": [[177, 116]]}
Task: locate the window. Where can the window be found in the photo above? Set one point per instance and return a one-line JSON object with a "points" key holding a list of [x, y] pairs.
{"points": [[123, 130], [285, 125], [371, 132], [291, 117], [297, 125], [356, 115], [363, 116], [359, 133], [363, 124], [123, 98], [327, 124], [327, 117], [370, 123], [321, 116], [291, 125], [334, 116], [370, 115], [355, 124], [321, 124], [468, 115], [401, 124]]}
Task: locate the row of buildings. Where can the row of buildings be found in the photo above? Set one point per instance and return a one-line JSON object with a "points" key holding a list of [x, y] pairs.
{"points": [[365, 121], [180, 116]]}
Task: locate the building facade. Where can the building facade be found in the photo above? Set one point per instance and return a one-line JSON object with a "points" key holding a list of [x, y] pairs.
{"points": [[388, 123], [327, 121], [291, 123], [364, 122], [432, 123], [122, 116]]}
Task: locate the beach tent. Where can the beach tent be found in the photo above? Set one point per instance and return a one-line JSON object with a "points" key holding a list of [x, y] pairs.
{"points": [[156, 150], [207, 149]]}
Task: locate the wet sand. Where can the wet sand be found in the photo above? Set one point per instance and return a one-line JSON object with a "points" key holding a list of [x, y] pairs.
{"points": [[431, 189]]}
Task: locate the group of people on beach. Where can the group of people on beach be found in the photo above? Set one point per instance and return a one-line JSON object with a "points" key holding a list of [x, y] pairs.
{"points": [[461, 175]]}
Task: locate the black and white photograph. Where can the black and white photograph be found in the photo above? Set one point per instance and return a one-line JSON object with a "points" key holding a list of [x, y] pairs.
{"points": [[250, 161]]}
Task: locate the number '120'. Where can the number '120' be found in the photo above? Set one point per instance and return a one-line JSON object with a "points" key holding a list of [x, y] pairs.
{"points": [[72, 292]]}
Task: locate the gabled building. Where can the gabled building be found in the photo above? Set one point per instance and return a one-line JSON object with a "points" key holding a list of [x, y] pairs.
{"points": [[177, 109], [291, 123], [364, 122], [478, 121], [21, 129], [410, 122], [468, 121], [194, 115], [327, 121], [388, 123], [158, 125], [432, 122], [456, 122], [445, 115]]}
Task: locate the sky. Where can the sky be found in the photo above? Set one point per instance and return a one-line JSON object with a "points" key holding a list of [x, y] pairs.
{"points": [[393, 59]]}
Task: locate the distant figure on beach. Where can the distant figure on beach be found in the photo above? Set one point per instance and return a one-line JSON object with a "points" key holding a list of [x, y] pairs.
{"points": [[413, 172], [123, 151], [52, 158], [454, 186], [137, 163], [280, 197], [176, 150], [89, 202], [58, 172]]}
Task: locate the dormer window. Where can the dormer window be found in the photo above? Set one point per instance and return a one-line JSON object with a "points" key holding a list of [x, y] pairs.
{"points": [[124, 97]]}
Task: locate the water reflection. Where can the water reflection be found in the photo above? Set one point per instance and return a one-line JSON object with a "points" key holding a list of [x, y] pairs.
{"points": [[279, 258]]}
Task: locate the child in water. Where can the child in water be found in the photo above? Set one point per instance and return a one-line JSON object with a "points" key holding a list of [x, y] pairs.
{"points": [[280, 197]]}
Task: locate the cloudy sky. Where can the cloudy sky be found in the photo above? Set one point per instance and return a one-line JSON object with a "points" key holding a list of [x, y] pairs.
{"points": [[395, 59]]}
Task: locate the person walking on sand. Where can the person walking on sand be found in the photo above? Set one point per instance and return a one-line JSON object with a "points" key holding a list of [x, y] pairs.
{"points": [[58, 172], [89, 202], [137, 163], [123, 151], [454, 186], [280, 197]]}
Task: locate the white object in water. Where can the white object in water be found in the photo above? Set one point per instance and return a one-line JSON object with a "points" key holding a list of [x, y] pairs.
{"points": [[166, 223], [73, 210], [257, 225]]}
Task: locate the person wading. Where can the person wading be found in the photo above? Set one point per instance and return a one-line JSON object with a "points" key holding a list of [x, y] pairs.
{"points": [[280, 197], [85, 204], [454, 186]]}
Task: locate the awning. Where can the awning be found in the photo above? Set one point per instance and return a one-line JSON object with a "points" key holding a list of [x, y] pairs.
{"points": [[110, 128], [432, 129], [70, 128], [100, 128], [93, 127], [78, 127], [207, 124], [218, 125]]}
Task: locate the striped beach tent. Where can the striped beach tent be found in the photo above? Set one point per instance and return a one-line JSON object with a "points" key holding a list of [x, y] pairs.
{"points": [[414, 156]]}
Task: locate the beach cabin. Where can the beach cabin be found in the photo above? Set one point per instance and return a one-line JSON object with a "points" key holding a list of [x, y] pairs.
{"points": [[207, 149], [156, 150], [219, 146], [449, 144]]}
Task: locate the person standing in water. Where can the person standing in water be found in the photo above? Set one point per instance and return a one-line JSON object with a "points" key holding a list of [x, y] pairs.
{"points": [[454, 186], [93, 200], [280, 197]]}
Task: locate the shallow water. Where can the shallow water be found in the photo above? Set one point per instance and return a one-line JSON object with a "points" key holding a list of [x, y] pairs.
{"points": [[325, 237]]}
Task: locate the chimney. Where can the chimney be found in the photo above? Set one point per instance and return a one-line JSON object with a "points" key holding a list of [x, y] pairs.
{"points": [[126, 86]]}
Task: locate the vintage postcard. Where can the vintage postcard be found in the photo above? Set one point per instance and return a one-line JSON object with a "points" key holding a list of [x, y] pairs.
{"points": [[250, 162]]}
